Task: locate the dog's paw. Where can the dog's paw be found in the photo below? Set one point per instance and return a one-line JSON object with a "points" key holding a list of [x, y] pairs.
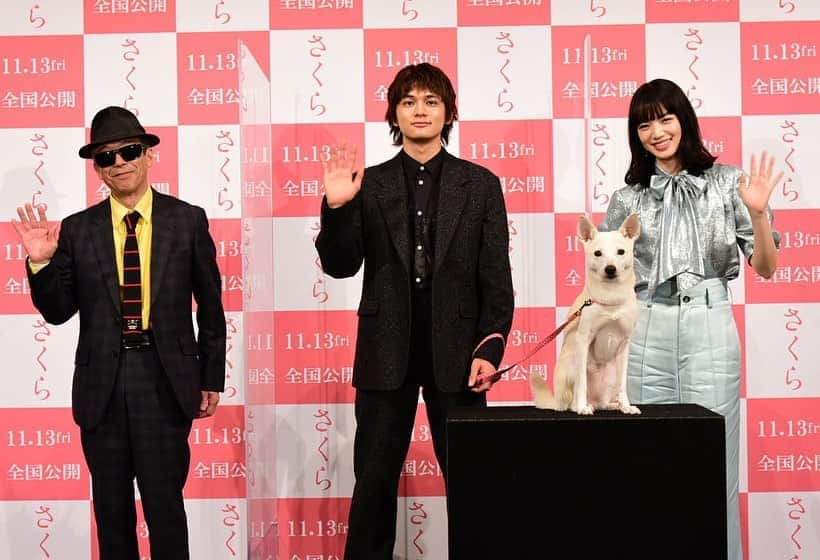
{"points": [[629, 409], [586, 410]]}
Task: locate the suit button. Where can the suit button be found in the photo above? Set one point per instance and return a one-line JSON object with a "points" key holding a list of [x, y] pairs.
{"points": [[686, 299]]}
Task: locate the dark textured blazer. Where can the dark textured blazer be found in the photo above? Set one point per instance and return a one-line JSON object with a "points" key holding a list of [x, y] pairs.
{"points": [[82, 276], [472, 286]]}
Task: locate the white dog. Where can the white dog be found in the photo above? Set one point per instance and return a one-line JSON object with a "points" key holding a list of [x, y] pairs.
{"points": [[591, 370]]}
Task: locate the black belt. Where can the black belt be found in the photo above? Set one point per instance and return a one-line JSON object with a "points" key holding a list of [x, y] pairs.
{"points": [[137, 339]]}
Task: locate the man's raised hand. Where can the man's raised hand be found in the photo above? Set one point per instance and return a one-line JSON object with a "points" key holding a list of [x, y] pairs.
{"points": [[39, 240], [342, 179]]}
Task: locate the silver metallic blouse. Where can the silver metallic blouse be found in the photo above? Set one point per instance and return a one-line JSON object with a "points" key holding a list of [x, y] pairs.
{"points": [[690, 226]]}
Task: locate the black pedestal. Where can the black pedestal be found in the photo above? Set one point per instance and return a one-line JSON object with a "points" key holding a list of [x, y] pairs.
{"points": [[529, 483]]}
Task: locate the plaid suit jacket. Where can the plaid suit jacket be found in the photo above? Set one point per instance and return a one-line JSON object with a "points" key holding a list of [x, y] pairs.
{"points": [[82, 277]]}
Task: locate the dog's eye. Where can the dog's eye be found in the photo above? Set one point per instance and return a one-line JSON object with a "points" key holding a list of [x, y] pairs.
{"points": [[621, 251], [597, 253]]}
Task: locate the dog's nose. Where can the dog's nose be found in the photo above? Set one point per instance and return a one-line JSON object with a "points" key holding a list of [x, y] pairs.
{"points": [[610, 270]]}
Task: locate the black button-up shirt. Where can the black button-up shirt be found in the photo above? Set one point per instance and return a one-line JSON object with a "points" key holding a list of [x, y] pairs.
{"points": [[423, 181]]}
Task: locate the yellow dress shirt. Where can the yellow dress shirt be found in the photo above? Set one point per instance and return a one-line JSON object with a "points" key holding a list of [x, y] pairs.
{"points": [[118, 212]]}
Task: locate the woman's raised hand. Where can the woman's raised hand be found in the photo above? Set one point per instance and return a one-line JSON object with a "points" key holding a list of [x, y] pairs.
{"points": [[757, 185]]}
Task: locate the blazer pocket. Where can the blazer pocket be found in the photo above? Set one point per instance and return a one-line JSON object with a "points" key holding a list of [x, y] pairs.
{"points": [[188, 347], [368, 308], [467, 311]]}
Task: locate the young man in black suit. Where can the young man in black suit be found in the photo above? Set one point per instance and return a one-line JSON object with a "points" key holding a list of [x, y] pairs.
{"points": [[437, 298], [130, 265]]}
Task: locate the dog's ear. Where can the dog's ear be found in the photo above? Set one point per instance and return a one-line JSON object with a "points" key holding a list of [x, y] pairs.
{"points": [[631, 228], [586, 230]]}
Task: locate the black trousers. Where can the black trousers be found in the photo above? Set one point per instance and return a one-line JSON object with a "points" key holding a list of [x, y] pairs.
{"points": [[143, 435], [384, 424]]}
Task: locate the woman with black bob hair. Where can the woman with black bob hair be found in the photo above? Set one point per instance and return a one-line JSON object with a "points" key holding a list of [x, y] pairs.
{"points": [[655, 99], [694, 214]]}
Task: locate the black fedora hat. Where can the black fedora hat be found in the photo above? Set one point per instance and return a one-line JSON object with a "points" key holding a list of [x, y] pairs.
{"points": [[112, 124]]}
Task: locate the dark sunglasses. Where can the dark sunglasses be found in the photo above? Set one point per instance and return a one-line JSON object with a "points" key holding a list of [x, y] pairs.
{"points": [[127, 153]]}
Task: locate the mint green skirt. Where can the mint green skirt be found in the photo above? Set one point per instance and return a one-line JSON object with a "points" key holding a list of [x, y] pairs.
{"points": [[685, 349]]}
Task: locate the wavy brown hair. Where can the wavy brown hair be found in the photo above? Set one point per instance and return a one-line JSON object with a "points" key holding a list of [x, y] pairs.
{"points": [[421, 76]]}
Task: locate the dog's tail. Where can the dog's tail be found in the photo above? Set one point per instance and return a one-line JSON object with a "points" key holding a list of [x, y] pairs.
{"points": [[541, 392]]}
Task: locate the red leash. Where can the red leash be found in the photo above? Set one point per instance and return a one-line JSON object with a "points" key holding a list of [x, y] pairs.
{"points": [[497, 375]]}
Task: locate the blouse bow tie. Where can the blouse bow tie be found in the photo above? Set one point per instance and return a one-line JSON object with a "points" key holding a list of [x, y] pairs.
{"points": [[690, 185], [679, 248]]}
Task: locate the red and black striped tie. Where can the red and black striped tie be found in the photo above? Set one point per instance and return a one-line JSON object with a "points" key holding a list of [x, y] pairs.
{"points": [[131, 278]]}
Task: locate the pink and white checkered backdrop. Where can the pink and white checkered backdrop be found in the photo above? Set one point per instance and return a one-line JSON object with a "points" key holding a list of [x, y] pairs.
{"points": [[271, 473]]}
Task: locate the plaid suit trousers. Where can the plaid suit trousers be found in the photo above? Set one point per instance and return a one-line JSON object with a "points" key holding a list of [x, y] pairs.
{"points": [[143, 435]]}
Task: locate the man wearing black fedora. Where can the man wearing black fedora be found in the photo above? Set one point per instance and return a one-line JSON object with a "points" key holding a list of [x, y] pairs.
{"points": [[130, 265]]}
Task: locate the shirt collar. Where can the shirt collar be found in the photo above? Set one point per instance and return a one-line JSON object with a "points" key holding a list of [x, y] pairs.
{"points": [[664, 173], [143, 206], [433, 166]]}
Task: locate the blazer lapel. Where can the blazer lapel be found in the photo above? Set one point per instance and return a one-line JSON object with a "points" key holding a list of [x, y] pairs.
{"points": [[451, 199], [102, 240], [162, 239], [393, 200]]}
